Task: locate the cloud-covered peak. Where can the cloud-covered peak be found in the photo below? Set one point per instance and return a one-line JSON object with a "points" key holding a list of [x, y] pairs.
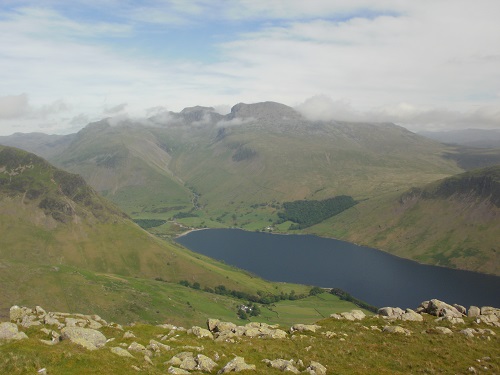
{"points": [[263, 110]]}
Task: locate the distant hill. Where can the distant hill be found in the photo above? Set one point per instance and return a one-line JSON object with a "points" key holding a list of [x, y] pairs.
{"points": [[454, 222], [481, 138], [257, 154], [64, 246]]}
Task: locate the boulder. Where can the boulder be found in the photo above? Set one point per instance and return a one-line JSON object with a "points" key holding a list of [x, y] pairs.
{"points": [[121, 352], [9, 331], [473, 312], [201, 332], [443, 330], [390, 312], [282, 365], [136, 347], [188, 363], [236, 365], [90, 339], [316, 368], [304, 328], [488, 310], [396, 329], [351, 315], [204, 363], [468, 332], [17, 313], [411, 315], [440, 308], [157, 347], [460, 308], [178, 371]]}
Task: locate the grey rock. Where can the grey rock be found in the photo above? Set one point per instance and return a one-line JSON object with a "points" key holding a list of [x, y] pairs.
{"points": [[316, 368], [411, 315], [121, 352], [443, 330], [473, 312], [188, 363], [201, 332], [205, 363], [468, 332], [17, 313], [440, 308], [178, 371], [282, 365], [396, 329], [90, 339], [128, 335], [236, 365], [136, 347], [460, 308], [304, 328], [157, 347], [9, 331]]}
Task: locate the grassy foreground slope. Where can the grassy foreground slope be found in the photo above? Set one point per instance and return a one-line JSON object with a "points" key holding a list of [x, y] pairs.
{"points": [[62, 245], [341, 346], [454, 222]]}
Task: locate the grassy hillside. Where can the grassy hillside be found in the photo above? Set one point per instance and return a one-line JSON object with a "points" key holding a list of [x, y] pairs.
{"points": [[453, 222], [64, 246], [339, 346]]}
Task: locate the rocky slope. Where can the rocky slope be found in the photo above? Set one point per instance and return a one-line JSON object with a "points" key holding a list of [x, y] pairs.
{"points": [[436, 338]]}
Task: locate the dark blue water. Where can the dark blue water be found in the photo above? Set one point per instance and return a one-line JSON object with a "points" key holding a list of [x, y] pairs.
{"points": [[368, 274]]}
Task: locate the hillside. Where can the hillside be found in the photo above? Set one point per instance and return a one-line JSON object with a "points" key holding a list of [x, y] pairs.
{"points": [[65, 247], [453, 222]]}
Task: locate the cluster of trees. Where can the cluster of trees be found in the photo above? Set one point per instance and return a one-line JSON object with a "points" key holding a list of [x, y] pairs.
{"points": [[306, 213], [149, 223], [183, 215], [261, 297], [347, 297]]}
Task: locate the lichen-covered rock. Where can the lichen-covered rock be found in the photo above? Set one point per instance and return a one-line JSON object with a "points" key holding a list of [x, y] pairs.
{"points": [[9, 331], [440, 308], [128, 335], [468, 332], [282, 365], [188, 363], [201, 332], [304, 328], [178, 371], [316, 368], [204, 363], [443, 330], [473, 312], [136, 347], [17, 313], [412, 316], [236, 365], [90, 339], [396, 329], [121, 352], [157, 347]]}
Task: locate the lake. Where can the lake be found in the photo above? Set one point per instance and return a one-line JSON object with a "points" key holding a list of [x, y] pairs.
{"points": [[368, 274]]}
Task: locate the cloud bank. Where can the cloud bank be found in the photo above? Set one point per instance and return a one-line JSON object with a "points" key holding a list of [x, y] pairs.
{"points": [[431, 64]]}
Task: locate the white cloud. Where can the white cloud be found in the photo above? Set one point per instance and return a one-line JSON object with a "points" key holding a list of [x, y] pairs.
{"points": [[439, 57], [13, 106]]}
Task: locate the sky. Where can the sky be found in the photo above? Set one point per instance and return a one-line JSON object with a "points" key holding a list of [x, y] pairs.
{"points": [[425, 65]]}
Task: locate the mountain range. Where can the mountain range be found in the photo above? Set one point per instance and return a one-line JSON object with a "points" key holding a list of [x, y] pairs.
{"points": [[199, 168]]}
